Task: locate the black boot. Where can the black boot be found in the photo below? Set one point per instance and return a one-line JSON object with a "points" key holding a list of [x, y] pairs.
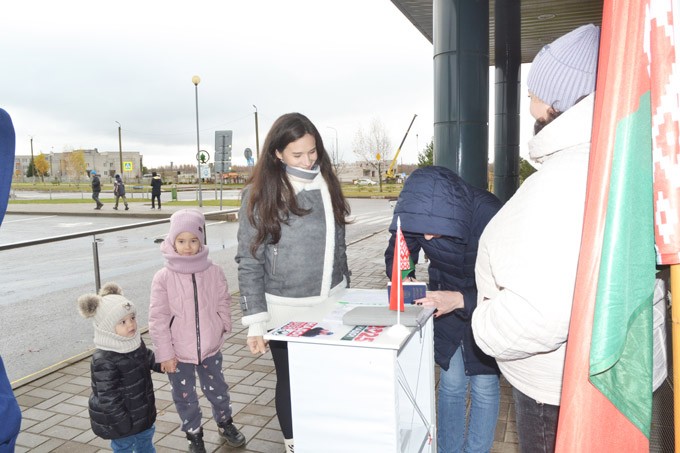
{"points": [[231, 434], [196, 444]]}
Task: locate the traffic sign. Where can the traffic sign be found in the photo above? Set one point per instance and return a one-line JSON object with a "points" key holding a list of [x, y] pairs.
{"points": [[222, 151], [202, 156]]}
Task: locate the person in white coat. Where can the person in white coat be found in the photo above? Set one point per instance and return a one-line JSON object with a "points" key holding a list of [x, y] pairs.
{"points": [[528, 253]]}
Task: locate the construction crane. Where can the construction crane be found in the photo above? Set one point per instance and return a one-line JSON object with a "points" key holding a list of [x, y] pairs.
{"points": [[389, 174]]}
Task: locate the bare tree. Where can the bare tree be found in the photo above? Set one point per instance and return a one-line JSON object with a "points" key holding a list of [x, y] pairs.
{"points": [[339, 165], [368, 144]]}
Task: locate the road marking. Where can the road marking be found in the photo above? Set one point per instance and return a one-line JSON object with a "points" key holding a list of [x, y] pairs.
{"points": [[29, 219], [72, 225], [371, 219]]}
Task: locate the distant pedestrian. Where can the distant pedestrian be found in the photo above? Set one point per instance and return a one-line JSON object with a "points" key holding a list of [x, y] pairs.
{"points": [[96, 188], [156, 184], [122, 404], [119, 191]]}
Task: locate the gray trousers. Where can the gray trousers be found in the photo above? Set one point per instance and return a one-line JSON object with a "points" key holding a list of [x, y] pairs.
{"points": [[213, 385], [124, 200]]}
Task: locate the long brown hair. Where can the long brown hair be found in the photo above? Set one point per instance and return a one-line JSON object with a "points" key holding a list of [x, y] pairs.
{"points": [[272, 197]]}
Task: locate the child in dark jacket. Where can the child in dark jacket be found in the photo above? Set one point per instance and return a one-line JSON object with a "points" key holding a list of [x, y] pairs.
{"points": [[122, 405]]}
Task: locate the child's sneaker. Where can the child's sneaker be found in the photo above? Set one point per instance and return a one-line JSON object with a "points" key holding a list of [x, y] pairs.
{"points": [[196, 444], [231, 434]]}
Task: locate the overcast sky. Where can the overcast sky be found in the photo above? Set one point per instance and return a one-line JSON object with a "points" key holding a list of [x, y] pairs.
{"points": [[72, 68]]}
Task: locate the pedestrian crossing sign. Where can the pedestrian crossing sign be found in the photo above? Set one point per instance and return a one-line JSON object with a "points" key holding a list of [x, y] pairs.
{"points": [[127, 166]]}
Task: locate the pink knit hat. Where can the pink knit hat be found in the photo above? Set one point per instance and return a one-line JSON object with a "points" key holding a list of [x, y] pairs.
{"points": [[187, 220]]}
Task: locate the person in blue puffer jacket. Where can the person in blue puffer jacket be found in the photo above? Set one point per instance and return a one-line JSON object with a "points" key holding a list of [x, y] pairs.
{"points": [[11, 413], [444, 216]]}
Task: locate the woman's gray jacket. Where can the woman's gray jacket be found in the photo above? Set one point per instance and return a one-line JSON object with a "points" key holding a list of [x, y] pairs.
{"points": [[282, 282]]}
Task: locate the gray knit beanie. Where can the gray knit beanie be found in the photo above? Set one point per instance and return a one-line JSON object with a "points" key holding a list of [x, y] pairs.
{"points": [[106, 310], [565, 70], [186, 220]]}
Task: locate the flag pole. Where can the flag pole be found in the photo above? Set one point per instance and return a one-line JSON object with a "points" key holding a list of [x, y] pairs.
{"points": [[399, 295], [675, 324], [398, 330]]}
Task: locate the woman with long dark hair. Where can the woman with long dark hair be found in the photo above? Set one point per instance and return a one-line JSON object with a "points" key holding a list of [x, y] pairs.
{"points": [[291, 243]]}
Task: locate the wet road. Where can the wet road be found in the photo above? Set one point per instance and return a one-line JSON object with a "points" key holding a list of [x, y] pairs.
{"points": [[39, 285]]}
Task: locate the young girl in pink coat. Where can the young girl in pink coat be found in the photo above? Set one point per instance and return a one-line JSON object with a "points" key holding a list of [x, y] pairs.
{"points": [[189, 319]]}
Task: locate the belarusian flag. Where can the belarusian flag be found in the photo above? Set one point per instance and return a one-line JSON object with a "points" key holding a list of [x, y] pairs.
{"points": [[406, 263], [606, 401], [399, 264]]}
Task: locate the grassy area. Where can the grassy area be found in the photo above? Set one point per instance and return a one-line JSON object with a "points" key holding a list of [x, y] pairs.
{"points": [[225, 203], [350, 191], [388, 191], [129, 187]]}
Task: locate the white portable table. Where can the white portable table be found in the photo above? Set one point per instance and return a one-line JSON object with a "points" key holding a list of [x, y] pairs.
{"points": [[359, 388]]}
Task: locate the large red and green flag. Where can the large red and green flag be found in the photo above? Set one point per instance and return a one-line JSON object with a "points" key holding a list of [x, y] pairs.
{"points": [[606, 401]]}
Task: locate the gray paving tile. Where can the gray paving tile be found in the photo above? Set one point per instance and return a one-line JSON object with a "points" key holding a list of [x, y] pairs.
{"points": [[50, 402], [76, 447], [67, 409], [30, 440], [80, 423], [49, 446], [61, 432], [35, 414], [55, 419]]}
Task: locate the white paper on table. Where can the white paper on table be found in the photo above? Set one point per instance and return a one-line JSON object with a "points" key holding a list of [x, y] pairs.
{"points": [[337, 313], [352, 296]]}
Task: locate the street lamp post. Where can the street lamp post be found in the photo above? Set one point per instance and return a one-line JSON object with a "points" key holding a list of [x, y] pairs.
{"points": [[336, 156], [196, 80], [257, 135], [32, 162], [120, 150]]}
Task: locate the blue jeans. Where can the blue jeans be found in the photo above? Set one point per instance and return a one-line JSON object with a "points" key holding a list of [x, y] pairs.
{"points": [[452, 435], [138, 443], [536, 424]]}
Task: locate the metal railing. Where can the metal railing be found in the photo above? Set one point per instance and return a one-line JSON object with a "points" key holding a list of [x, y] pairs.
{"points": [[101, 231]]}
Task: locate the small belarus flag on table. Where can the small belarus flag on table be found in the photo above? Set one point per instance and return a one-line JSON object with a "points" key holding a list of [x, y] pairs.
{"points": [[401, 262]]}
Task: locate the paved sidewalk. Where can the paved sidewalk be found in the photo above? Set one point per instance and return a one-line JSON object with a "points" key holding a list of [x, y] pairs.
{"points": [[54, 406]]}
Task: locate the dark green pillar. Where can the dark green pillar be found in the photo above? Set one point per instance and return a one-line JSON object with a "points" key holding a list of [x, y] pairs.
{"points": [[508, 57], [461, 87]]}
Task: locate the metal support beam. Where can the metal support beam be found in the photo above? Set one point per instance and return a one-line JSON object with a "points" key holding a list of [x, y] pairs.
{"points": [[507, 98], [461, 86]]}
